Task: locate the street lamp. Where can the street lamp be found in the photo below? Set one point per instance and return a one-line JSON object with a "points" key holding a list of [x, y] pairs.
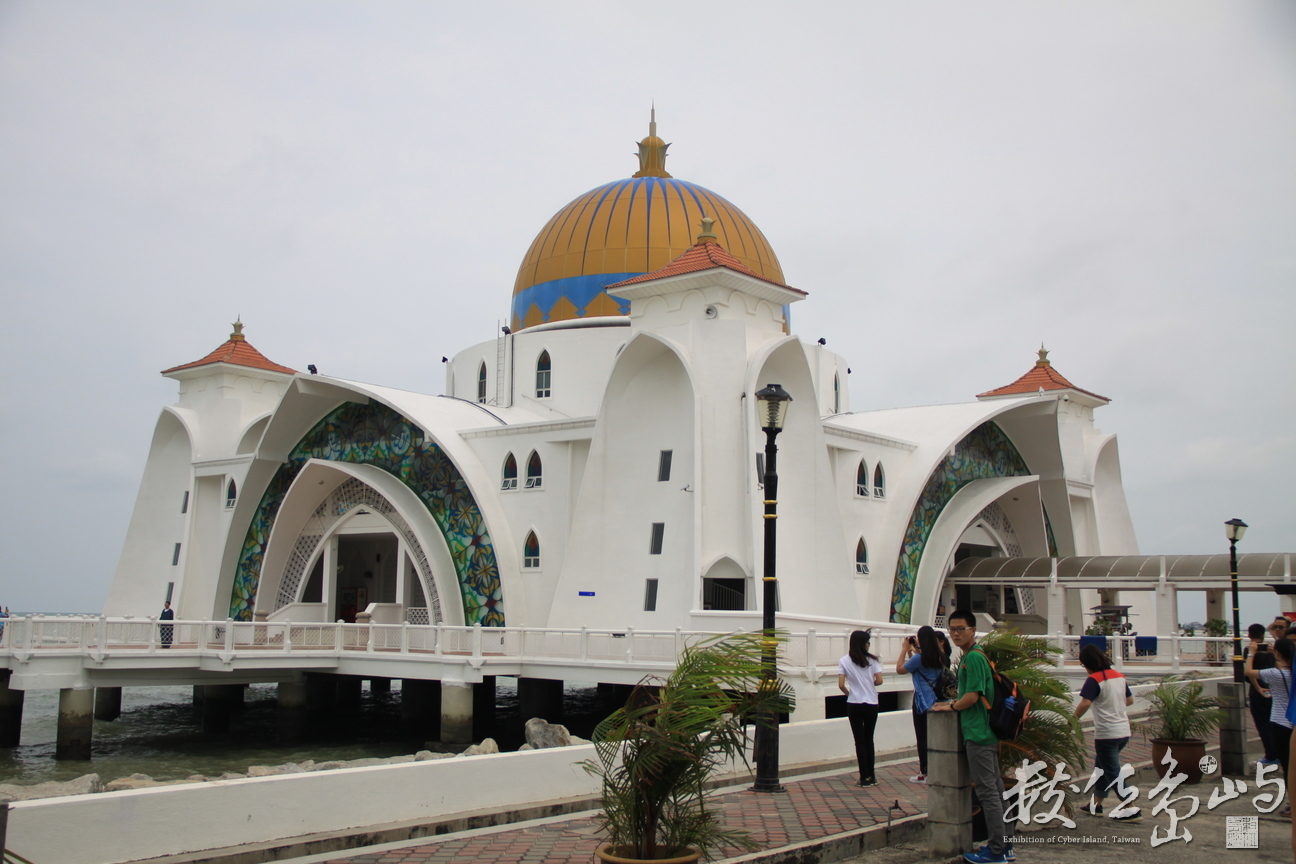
{"points": [[1233, 530], [771, 411]]}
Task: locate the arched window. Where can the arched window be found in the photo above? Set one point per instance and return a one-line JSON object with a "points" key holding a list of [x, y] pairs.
{"points": [[531, 552], [836, 393], [879, 482], [231, 495], [543, 373], [862, 479], [535, 472], [510, 473], [481, 382], [861, 558]]}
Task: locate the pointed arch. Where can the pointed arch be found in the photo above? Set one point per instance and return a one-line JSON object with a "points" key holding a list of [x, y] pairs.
{"points": [[862, 479], [531, 552], [861, 558], [481, 382], [510, 473], [544, 375], [836, 403], [231, 494], [534, 471], [879, 481]]}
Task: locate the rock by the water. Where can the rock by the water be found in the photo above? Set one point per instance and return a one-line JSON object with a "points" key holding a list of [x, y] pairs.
{"points": [[487, 745], [428, 756], [525, 747], [231, 775], [274, 770], [83, 785], [542, 735]]}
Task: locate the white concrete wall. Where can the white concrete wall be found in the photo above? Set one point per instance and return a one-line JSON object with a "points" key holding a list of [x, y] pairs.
{"points": [[114, 827]]}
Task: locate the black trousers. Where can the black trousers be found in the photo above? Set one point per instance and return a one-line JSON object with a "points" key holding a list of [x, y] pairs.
{"points": [[920, 736], [1260, 706], [863, 720]]}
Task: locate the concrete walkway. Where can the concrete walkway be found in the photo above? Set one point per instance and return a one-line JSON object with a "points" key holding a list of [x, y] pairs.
{"points": [[822, 817]]}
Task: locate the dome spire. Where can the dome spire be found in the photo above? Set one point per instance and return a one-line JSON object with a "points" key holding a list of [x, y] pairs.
{"points": [[652, 151]]}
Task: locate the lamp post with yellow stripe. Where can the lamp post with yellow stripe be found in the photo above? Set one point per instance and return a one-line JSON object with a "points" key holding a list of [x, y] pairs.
{"points": [[771, 406]]}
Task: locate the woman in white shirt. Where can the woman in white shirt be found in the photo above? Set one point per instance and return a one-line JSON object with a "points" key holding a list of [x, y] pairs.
{"points": [[859, 674], [1277, 682]]}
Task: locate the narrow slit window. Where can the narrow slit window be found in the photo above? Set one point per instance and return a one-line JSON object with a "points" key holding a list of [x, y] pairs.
{"points": [[510, 473], [879, 482], [184, 504], [175, 555], [658, 534], [535, 471], [231, 495], [544, 371], [862, 480], [531, 552], [650, 596], [481, 383], [836, 393], [861, 558], [664, 466]]}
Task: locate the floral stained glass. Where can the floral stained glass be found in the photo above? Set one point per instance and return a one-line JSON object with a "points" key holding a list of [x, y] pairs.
{"points": [[985, 452], [376, 435]]}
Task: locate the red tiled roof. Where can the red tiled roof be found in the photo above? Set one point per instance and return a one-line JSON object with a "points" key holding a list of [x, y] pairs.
{"points": [[1041, 376], [236, 351], [705, 255]]}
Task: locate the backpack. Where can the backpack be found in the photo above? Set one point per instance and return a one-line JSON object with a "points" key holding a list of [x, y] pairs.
{"points": [[1009, 709], [945, 686]]}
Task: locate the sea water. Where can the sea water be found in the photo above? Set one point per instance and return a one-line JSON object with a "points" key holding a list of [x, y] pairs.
{"points": [[159, 734]]}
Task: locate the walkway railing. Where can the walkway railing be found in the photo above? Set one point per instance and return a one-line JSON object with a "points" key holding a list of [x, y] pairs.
{"points": [[811, 654]]}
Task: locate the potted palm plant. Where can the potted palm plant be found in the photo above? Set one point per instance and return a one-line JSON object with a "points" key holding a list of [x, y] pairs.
{"points": [[1180, 717], [655, 754]]}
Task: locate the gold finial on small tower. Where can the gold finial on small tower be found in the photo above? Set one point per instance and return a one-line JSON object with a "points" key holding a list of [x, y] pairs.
{"points": [[652, 151], [237, 335], [1043, 357], [707, 235]]}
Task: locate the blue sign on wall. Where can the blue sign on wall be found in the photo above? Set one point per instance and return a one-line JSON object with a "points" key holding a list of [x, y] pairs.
{"points": [[585, 593]]}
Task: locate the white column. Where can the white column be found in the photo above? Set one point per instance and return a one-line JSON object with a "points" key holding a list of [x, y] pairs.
{"points": [[456, 712], [328, 585], [1167, 606], [809, 701], [402, 567]]}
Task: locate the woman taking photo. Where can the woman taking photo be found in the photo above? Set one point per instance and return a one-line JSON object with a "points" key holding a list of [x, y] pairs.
{"points": [[1277, 682], [859, 674], [922, 657]]}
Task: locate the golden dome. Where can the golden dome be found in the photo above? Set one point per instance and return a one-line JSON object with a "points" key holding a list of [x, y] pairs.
{"points": [[625, 229]]}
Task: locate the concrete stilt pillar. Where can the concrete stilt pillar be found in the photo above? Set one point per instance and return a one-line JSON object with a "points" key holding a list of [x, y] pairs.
{"points": [[321, 696], [613, 696], [483, 707], [75, 724], [290, 712], [456, 712], [420, 707], [379, 685], [107, 703], [349, 689], [949, 787], [11, 711], [217, 706], [1233, 731], [540, 697]]}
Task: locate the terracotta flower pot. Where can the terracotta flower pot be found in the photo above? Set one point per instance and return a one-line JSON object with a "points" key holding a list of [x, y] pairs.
{"points": [[1187, 753], [606, 853]]}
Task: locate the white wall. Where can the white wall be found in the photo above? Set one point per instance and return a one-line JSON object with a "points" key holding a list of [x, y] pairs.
{"points": [[114, 827]]}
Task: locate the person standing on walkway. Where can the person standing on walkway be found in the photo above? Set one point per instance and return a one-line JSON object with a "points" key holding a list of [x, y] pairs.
{"points": [[976, 690], [1278, 682], [922, 657], [859, 674], [1108, 693], [166, 631], [1261, 705]]}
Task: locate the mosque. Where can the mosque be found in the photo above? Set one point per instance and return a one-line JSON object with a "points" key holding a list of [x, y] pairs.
{"points": [[596, 464]]}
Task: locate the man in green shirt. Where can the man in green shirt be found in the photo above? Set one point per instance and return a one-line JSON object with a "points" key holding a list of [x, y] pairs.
{"points": [[975, 682]]}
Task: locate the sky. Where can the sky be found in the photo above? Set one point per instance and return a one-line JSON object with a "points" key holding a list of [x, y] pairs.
{"points": [[954, 183]]}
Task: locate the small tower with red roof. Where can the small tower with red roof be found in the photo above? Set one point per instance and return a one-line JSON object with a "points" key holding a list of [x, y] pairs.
{"points": [[1042, 379]]}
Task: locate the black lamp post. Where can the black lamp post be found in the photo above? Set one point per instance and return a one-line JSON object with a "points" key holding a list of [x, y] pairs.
{"points": [[1233, 530], [771, 406]]}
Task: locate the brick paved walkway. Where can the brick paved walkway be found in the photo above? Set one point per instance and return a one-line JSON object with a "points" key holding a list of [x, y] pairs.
{"points": [[814, 808]]}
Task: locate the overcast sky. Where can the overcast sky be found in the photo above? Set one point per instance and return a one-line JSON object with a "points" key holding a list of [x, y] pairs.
{"points": [[952, 183]]}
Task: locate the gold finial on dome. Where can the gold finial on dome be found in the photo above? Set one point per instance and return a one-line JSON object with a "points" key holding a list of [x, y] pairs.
{"points": [[1043, 357], [237, 335], [707, 235], [652, 151]]}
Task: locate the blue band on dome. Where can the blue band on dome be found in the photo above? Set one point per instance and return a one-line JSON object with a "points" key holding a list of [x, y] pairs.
{"points": [[579, 291]]}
